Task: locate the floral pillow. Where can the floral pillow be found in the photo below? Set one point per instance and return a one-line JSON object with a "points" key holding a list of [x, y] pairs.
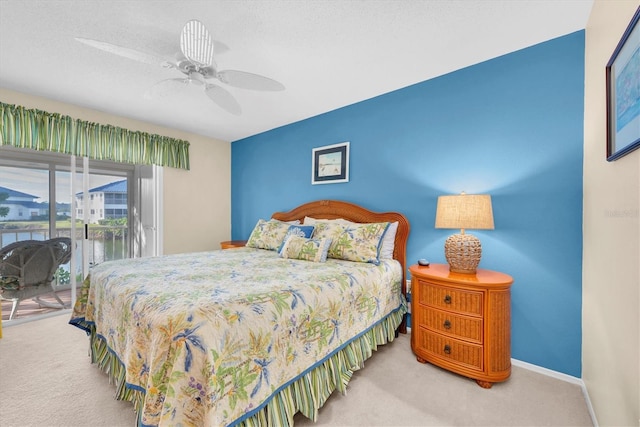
{"points": [[298, 230], [297, 247], [268, 234], [388, 241], [353, 242]]}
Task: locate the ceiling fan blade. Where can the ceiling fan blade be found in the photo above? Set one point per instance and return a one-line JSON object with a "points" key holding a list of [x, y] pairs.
{"points": [[125, 52], [166, 87], [196, 43], [219, 47], [245, 80], [223, 99]]}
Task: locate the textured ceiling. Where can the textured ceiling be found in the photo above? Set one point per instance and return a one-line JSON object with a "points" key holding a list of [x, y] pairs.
{"points": [[327, 53]]}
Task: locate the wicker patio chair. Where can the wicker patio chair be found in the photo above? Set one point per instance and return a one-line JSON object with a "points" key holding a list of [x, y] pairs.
{"points": [[27, 269]]}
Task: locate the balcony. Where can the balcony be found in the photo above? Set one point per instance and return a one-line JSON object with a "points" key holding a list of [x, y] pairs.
{"points": [[33, 308], [104, 243]]}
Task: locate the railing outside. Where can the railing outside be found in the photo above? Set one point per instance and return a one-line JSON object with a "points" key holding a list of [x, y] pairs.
{"points": [[107, 242]]}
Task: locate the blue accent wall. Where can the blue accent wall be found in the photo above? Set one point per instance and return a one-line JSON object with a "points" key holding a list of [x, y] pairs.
{"points": [[511, 127]]}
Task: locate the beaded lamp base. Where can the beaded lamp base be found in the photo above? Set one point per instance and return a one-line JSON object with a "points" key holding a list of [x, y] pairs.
{"points": [[463, 253]]}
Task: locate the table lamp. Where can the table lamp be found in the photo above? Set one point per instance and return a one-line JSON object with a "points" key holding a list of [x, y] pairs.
{"points": [[463, 251]]}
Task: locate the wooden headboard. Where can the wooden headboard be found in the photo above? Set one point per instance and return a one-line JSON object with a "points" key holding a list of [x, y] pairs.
{"points": [[332, 209]]}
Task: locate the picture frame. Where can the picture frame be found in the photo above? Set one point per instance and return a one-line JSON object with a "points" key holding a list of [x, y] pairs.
{"points": [[623, 93], [330, 164]]}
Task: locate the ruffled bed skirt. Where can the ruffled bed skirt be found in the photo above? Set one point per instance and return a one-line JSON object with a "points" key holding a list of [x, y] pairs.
{"points": [[305, 394]]}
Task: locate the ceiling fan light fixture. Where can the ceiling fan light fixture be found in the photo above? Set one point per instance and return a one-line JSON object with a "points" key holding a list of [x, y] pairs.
{"points": [[196, 78]]}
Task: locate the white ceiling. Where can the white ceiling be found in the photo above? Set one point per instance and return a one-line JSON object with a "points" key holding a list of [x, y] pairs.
{"points": [[327, 53]]}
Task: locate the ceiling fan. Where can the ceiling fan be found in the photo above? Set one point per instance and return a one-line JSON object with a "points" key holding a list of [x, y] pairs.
{"points": [[196, 61]]}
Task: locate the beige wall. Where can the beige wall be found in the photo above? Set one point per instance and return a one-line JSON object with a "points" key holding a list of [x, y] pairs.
{"points": [[197, 203], [611, 266], [204, 190]]}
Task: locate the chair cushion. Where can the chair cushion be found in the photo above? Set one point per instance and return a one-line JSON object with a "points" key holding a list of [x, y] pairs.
{"points": [[9, 283]]}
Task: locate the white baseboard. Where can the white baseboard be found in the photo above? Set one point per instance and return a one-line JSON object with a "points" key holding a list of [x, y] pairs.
{"points": [[547, 372], [564, 377], [21, 320]]}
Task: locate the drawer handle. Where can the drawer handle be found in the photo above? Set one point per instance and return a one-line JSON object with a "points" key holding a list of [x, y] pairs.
{"points": [[447, 299], [447, 324], [447, 349]]}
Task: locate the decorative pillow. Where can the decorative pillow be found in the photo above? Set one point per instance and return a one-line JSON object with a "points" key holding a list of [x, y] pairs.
{"points": [[388, 241], [353, 242], [297, 247], [268, 234], [9, 283], [298, 230]]}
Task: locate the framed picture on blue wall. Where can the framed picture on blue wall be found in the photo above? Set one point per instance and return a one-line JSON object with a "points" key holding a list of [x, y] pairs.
{"points": [[623, 93], [330, 164]]}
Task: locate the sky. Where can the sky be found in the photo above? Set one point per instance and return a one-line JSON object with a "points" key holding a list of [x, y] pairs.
{"points": [[35, 182]]}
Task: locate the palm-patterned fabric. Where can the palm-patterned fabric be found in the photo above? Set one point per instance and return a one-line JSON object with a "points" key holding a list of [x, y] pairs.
{"points": [[352, 241], [297, 247], [268, 234], [209, 338]]}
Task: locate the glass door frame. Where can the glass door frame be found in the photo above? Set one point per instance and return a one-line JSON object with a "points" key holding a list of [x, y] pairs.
{"points": [[55, 162]]}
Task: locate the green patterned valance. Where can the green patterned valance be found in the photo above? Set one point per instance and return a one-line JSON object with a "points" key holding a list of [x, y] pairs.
{"points": [[39, 130]]}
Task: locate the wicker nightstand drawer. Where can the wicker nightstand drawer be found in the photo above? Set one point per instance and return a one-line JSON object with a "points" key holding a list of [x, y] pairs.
{"points": [[455, 300], [461, 352], [463, 327]]}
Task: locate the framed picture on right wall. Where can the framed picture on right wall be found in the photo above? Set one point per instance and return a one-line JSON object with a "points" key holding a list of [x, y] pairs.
{"points": [[623, 93]]}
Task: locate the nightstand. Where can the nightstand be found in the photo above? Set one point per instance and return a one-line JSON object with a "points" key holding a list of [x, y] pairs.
{"points": [[230, 244], [462, 322]]}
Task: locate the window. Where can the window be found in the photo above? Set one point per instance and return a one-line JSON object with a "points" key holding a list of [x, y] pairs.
{"points": [[41, 184], [115, 199], [115, 213]]}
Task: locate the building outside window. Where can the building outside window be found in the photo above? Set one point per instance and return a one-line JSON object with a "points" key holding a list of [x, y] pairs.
{"points": [[108, 201]]}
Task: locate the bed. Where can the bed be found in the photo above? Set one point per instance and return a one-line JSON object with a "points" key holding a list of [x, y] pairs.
{"points": [[253, 335]]}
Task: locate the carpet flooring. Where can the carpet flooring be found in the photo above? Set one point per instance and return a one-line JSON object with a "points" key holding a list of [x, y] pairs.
{"points": [[46, 379]]}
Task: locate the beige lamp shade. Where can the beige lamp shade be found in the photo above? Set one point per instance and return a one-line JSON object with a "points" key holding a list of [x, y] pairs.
{"points": [[463, 211]]}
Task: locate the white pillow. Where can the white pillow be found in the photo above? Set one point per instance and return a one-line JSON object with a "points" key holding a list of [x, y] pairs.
{"points": [[389, 241], [311, 221]]}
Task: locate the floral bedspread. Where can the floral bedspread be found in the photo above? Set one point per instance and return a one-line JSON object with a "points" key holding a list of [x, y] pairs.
{"points": [[209, 337]]}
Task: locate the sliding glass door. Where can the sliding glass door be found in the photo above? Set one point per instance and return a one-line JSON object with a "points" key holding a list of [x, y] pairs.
{"points": [[107, 208], [100, 205]]}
